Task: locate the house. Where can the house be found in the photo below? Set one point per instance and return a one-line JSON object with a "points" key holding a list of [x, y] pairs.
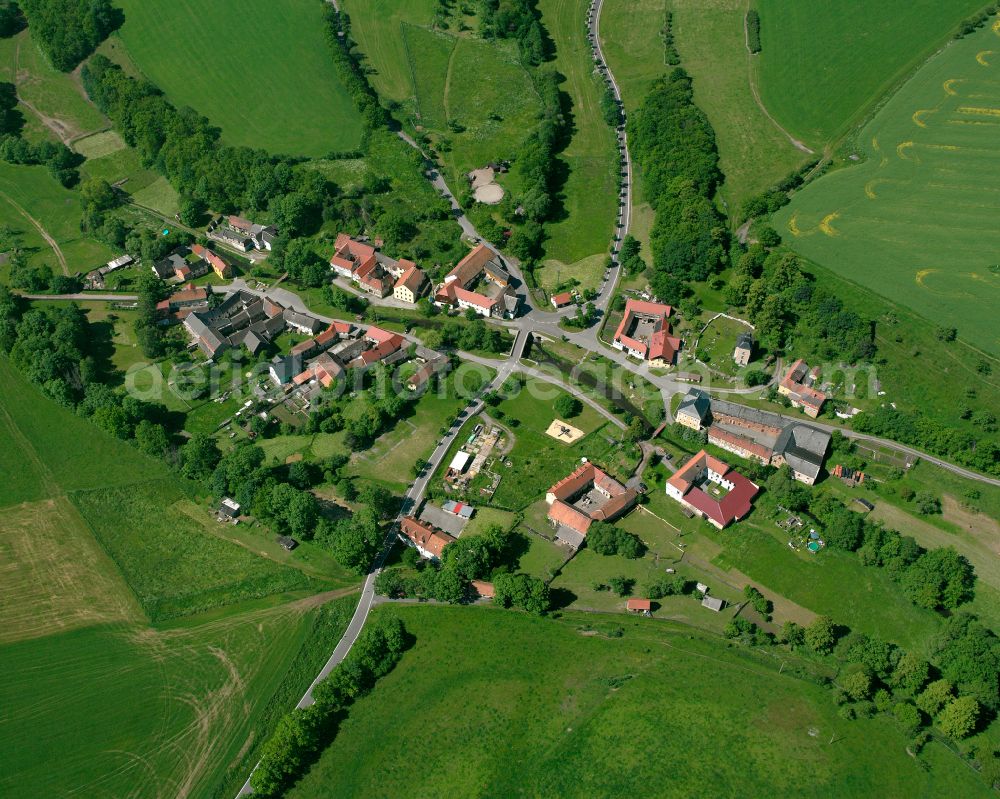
{"points": [[283, 369], [427, 539], [166, 268], [301, 322], [643, 606], [420, 378], [483, 589], [587, 495], [410, 285], [240, 225], [709, 488], [461, 287], [181, 303], [459, 509], [324, 369], [232, 238], [562, 300], [229, 510], [644, 333], [713, 603], [208, 339], [744, 348], [797, 385], [695, 409], [803, 448]]}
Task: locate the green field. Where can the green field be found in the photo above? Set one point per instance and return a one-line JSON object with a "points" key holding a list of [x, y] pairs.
{"points": [[31, 198], [824, 65], [58, 108], [447, 77], [259, 69], [663, 711], [915, 221], [589, 195], [134, 709]]}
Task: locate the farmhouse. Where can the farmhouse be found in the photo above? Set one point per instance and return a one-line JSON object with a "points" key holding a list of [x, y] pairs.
{"points": [[219, 266], [588, 494], [375, 273], [645, 334], [283, 369], [695, 409], [797, 385], [709, 488], [428, 540], [260, 236], [166, 268], [479, 281], [765, 437], [744, 349]]}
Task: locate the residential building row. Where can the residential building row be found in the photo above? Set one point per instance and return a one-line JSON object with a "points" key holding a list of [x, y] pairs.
{"points": [[798, 385], [754, 434], [190, 263], [242, 234], [376, 273]]}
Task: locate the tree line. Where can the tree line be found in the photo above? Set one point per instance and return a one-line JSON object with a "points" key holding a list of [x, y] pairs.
{"points": [[70, 30], [15, 149], [303, 733], [674, 145]]}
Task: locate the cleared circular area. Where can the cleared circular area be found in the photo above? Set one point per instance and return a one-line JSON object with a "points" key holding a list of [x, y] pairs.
{"points": [[484, 188]]}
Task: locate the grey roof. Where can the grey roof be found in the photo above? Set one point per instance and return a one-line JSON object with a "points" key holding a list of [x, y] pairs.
{"points": [[748, 414], [713, 603], [286, 368], [569, 536], [302, 320], [744, 340], [803, 448], [207, 337], [695, 403]]}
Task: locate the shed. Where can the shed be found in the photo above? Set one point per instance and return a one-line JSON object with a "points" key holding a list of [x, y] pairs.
{"points": [[713, 603], [229, 508], [638, 605], [460, 461], [702, 588], [459, 509], [287, 542]]}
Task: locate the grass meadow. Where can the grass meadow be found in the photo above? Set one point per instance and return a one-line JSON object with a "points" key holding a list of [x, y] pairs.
{"points": [[915, 221], [660, 711], [824, 65], [134, 708], [55, 95], [259, 69], [589, 195], [33, 191]]}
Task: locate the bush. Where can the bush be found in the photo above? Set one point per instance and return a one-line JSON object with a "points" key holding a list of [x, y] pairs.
{"points": [[753, 31], [606, 539]]}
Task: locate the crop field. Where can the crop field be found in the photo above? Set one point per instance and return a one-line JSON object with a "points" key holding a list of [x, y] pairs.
{"points": [[139, 711], [132, 709], [30, 197], [589, 196], [580, 714], [823, 65], [259, 69], [916, 221]]}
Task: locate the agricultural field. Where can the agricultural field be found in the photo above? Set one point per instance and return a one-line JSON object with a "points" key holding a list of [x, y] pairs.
{"points": [[823, 66], [259, 69], [914, 222], [602, 716], [33, 203], [77, 646], [589, 195]]}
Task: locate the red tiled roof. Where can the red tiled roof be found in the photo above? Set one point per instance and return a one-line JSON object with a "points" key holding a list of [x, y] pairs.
{"points": [[792, 381], [661, 344], [735, 505], [717, 434], [573, 482], [413, 278], [483, 588], [473, 298], [346, 246], [639, 604], [425, 536], [470, 266], [562, 299], [567, 515]]}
